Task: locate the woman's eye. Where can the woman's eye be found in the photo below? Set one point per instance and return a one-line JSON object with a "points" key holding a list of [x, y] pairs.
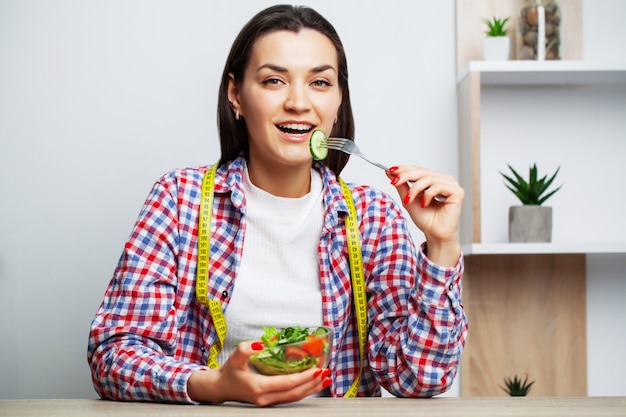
{"points": [[271, 82], [321, 83]]}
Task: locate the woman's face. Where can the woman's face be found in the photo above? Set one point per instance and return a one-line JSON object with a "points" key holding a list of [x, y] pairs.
{"points": [[290, 88]]}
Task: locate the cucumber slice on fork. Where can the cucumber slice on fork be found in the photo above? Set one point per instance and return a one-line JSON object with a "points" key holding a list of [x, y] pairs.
{"points": [[317, 145]]}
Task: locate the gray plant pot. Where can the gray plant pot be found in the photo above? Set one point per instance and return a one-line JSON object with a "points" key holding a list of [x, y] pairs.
{"points": [[530, 224]]}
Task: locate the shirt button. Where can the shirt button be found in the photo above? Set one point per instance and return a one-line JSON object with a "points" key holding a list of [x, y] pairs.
{"points": [[224, 294]]}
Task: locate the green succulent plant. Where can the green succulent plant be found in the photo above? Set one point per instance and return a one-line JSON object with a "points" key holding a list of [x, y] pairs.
{"points": [[496, 26], [516, 387], [533, 191]]}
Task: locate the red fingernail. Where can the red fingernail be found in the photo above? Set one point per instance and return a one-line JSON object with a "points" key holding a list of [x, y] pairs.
{"points": [[407, 199], [326, 382], [392, 169], [326, 373], [317, 373], [395, 180], [257, 346], [423, 203]]}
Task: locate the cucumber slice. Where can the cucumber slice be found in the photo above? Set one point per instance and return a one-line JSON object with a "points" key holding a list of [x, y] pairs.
{"points": [[317, 145], [321, 331]]}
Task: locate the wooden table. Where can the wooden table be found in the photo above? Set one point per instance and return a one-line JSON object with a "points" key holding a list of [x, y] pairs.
{"points": [[330, 407]]}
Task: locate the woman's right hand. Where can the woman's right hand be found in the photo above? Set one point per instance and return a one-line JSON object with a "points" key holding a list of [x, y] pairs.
{"points": [[236, 381]]}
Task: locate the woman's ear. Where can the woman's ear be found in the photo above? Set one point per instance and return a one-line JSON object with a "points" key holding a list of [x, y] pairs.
{"points": [[233, 95]]}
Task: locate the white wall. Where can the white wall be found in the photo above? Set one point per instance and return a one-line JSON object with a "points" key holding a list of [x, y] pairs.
{"points": [[98, 99]]}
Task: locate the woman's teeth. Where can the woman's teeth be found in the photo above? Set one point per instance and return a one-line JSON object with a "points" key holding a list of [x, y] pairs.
{"points": [[295, 128]]}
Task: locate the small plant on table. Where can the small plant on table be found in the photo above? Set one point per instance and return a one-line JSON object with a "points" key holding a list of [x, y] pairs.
{"points": [[515, 387]]}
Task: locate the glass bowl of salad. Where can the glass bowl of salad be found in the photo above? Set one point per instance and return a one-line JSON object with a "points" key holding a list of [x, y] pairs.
{"points": [[293, 349]]}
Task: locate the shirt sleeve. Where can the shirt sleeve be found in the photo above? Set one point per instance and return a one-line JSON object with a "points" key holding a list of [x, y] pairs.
{"points": [[418, 325], [133, 338]]}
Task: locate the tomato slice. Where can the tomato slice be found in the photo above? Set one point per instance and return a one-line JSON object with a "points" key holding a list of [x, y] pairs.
{"points": [[295, 354], [314, 346]]}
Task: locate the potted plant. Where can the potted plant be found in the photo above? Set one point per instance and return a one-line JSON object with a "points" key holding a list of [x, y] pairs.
{"points": [[515, 387], [530, 222], [497, 45]]}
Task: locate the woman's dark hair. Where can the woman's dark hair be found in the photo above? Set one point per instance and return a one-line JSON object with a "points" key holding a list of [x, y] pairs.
{"points": [[233, 133]]}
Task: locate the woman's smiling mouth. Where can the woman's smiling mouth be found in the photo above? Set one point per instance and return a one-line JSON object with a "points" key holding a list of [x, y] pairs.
{"points": [[296, 132]]}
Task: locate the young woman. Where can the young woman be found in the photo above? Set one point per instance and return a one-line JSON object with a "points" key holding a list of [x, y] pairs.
{"points": [[279, 248]]}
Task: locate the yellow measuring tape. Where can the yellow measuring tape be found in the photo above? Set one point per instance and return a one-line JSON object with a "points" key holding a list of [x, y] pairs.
{"points": [[204, 251], [356, 271], [358, 283]]}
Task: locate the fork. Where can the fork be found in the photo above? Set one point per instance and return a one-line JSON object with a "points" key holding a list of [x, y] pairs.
{"points": [[350, 147]]}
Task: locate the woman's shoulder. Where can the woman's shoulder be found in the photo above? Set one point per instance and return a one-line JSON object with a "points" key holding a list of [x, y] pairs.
{"points": [[189, 181], [181, 176]]}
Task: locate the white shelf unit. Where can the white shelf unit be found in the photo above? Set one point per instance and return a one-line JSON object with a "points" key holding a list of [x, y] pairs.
{"points": [[586, 101], [546, 72], [542, 248], [563, 114]]}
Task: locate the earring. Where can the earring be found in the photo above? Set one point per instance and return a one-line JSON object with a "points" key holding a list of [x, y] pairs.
{"points": [[236, 114]]}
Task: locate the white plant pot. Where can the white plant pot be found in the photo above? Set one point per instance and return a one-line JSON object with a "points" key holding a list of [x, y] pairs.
{"points": [[496, 48], [530, 224]]}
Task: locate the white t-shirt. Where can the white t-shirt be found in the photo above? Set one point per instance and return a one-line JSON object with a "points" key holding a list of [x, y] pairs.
{"points": [[278, 280]]}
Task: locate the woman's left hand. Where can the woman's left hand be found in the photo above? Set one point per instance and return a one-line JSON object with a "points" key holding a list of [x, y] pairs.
{"points": [[439, 221]]}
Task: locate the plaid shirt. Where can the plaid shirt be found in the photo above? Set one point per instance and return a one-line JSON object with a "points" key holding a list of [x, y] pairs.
{"points": [[151, 333]]}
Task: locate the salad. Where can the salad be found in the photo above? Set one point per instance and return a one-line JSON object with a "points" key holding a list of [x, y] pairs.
{"points": [[292, 349]]}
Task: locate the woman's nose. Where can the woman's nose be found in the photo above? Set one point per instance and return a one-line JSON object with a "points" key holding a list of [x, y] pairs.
{"points": [[297, 98]]}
